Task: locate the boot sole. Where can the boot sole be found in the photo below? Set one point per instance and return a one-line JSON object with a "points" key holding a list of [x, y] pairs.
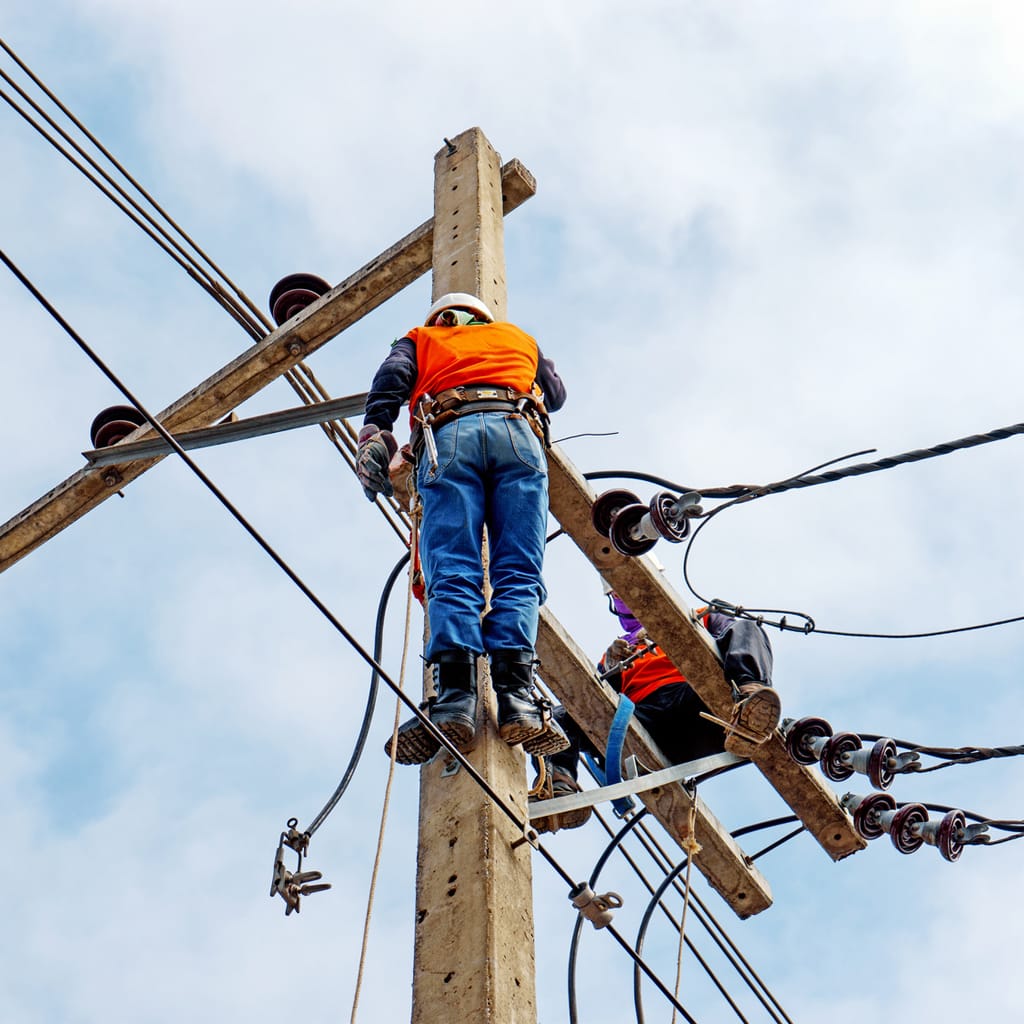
{"points": [[550, 741], [523, 729], [567, 819], [460, 733], [758, 714], [414, 744]]}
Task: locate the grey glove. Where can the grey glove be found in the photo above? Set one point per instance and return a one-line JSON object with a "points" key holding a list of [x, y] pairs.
{"points": [[376, 448], [617, 653]]}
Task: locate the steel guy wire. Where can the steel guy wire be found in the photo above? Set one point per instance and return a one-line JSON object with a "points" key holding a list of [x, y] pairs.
{"points": [[701, 911], [716, 930], [168, 245], [302, 380], [128, 177], [521, 825]]}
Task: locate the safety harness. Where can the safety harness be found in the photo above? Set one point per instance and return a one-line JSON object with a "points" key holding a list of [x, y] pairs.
{"points": [[433, 412]]}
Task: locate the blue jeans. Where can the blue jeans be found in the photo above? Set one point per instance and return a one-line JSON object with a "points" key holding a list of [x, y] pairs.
{"points": [[491, 471]]}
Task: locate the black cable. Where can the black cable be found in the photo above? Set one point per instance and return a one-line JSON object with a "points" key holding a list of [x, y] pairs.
{"points": [[371, 700], [639, 963], [179, 256], [789, 819], [654, 902], [810, 626], [592, 881], [716, 931], [778, 842], [134, 183]]}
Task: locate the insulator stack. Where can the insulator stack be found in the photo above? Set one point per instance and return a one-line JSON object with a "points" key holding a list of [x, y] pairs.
{"points": [[634, 528], [841, 754], [292, 294], [114, 424], [909, 826]]}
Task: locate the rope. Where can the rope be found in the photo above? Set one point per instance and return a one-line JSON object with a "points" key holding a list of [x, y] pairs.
{"points": [[692, 848], [384, 809]]}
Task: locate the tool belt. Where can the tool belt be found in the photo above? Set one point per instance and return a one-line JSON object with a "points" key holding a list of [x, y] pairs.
{"points": [[469, 398]]}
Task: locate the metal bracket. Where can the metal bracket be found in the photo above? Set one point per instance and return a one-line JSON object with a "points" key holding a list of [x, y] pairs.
{"points": [[291, 886], [222, 433], [590, 797]]}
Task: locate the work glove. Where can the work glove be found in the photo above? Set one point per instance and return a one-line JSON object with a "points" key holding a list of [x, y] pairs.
{"points": [[619, 650], [376, 447]]}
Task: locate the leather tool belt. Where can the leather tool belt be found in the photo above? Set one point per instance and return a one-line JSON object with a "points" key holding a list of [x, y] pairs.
{"points": [[469, 398]]}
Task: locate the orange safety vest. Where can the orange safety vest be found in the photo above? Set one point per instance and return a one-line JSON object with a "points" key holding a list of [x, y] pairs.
{"points": [[447, 357], [648, 673]]}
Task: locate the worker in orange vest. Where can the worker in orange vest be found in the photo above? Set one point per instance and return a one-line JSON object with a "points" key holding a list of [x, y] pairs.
{"points": [[666, 705], [479, 393]]}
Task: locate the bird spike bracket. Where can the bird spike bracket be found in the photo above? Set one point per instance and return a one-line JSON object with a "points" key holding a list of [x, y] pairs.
{"points": [[291, 886]]}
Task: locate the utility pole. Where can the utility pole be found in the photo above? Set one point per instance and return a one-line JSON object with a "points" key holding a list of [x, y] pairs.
{"points": [[474, 948], [474, 938]]}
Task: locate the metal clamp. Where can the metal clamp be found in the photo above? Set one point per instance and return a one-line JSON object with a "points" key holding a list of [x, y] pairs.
{"points": [[596, 909], [291, 886], [426, 419]]}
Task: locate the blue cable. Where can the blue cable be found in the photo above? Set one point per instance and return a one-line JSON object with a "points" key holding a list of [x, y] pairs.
{"points": [[613, 753]]}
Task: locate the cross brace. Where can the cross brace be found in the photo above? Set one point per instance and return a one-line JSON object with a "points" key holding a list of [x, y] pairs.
{"points": [[239, 430], [567, 670], [245, 376], [660, 609], [632, 786]]}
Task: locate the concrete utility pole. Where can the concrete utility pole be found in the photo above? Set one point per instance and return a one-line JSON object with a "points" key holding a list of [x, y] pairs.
{"points": [[474, 941], [474, 951]]}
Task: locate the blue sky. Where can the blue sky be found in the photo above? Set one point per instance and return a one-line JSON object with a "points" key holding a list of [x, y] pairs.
{"points": [[764, 236]]}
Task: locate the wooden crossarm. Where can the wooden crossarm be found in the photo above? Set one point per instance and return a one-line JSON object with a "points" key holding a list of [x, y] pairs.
{"points": [[570, 675], [245, 376], [692, 651]]}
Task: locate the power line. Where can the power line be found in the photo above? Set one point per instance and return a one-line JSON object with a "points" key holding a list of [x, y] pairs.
{"points": [[521, 825]]}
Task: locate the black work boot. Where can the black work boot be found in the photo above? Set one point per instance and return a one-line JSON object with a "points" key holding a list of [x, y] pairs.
{"points": [[519, 717], [414, 743], [454, 711]]}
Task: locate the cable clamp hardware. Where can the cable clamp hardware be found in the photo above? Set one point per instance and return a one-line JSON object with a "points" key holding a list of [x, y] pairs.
{"points": [[529, 836], [291, 886], [597, 909]]}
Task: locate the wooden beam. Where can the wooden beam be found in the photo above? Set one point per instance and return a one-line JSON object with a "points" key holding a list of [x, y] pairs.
{"points": [[692, 651], [473, 958], [245, 376], [570, 675]]}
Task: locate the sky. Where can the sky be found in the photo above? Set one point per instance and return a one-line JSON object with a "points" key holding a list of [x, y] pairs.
{"points": [[764, 236]]}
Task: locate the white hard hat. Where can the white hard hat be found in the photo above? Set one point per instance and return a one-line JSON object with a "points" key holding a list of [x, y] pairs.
{"points": [[460, 300]]}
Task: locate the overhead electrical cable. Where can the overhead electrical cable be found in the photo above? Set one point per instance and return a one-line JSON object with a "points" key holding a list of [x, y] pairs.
{"points": [[123, 171], [301, 378], [520, 824]]}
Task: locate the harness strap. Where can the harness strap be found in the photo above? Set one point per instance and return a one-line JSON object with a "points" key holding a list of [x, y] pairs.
{"points": [[451, 403], [613, 752]]}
